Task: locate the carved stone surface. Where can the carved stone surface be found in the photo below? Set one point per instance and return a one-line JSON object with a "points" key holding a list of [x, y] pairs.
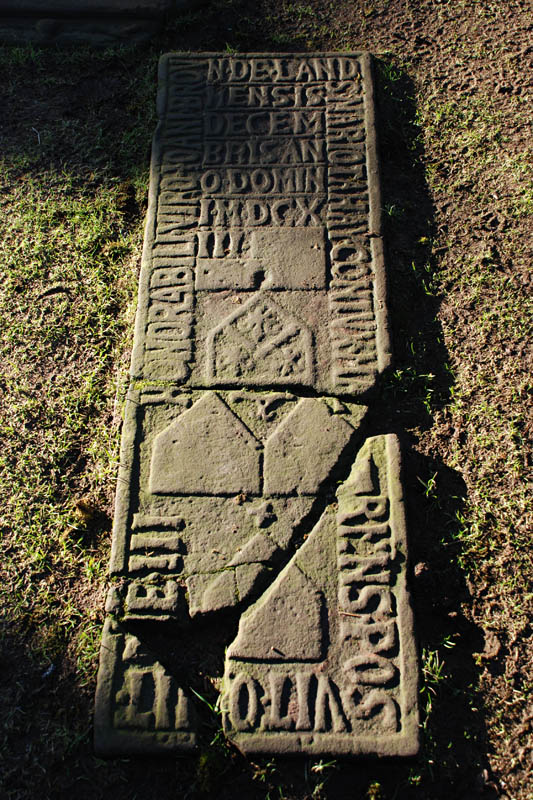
{"points": [[259, 542], [263, 261], [323, 661]]}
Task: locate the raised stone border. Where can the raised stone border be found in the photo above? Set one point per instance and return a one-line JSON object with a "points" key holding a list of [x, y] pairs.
{"points": [[250, 482]]}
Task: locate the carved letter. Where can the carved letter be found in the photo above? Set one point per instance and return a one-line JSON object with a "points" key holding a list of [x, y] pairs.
{"points": [[243, 698]]}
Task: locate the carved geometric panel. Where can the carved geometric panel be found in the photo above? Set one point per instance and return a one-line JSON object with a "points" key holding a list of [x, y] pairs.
{"points": [[301, 453], [259, 543], [340, 679], [261, 344], [226, 463]]}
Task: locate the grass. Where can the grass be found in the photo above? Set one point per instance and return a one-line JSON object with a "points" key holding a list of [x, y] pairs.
{"points": [[457, 207], [69, 256], [68, 268]]}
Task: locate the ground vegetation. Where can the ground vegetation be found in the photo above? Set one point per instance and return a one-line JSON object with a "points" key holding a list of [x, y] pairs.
{"points": [[454, 131]]}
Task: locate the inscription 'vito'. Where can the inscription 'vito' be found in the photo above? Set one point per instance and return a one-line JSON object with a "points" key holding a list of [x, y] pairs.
{"points": [[251, 481]]}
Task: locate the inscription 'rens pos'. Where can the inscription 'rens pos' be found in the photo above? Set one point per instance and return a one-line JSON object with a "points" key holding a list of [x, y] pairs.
{"points": [[259, 544]]}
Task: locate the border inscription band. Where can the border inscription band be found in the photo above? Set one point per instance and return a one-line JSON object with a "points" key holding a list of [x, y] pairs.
{"points": [[251, 487]]}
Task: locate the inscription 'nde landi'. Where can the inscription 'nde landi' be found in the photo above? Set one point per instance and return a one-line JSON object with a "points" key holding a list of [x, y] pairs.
{"points": [[250, 479]]}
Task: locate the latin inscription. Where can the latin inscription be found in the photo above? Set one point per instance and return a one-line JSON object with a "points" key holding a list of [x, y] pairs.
{"points": [[139, 705], [250, 482], [273, 144]]}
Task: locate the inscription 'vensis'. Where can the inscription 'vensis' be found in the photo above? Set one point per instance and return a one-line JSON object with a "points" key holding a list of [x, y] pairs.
{"points": [[286, 96]]}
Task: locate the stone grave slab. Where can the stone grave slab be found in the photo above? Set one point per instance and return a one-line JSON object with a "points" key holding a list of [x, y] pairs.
{"points": [[259, 546]]}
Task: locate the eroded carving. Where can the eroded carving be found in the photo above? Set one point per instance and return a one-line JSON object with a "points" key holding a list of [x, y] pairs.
{"points": [[139, 705], [286, 624], [226, 462], [301, 453], [260, 344], [262, 272]]}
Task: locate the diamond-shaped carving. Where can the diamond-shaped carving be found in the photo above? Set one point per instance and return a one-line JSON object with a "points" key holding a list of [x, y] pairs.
{"points": [[261, 344]]}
